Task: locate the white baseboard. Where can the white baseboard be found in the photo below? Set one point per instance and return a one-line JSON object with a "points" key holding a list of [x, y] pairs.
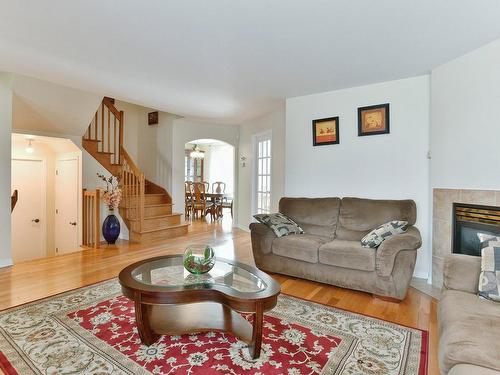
{"points": [[242, 227], [421, 275], [5, 262]]}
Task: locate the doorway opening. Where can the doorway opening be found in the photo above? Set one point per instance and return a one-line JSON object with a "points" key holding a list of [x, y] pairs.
{"points": [[209, 180], [46, 179]]}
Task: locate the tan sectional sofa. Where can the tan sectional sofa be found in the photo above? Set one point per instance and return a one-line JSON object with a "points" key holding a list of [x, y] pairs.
{"points": [[330, 251], [469, 327]]}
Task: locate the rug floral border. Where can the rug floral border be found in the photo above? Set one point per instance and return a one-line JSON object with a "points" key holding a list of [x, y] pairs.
{"points": [[357, 333]]}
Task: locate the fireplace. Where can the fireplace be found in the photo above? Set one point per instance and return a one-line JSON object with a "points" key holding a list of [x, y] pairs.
{"points": [[469, 220]]}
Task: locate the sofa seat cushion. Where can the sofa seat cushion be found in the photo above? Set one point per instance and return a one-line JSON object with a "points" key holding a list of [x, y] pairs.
{"points": [[347, 254], [299, 246], [469, 330]]}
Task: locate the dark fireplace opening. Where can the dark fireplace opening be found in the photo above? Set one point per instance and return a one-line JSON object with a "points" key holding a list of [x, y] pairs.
{"points": [[469, 222]]}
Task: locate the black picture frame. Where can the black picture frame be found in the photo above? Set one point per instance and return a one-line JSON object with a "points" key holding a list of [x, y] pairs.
{"points": [[387, 118], [153, 118], [315, 136]]}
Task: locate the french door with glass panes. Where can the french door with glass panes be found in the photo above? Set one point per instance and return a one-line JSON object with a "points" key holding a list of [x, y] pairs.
{"points": [[262, 174]]}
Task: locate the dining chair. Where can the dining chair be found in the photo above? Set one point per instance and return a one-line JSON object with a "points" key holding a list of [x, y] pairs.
{"points": [[200, 202], [218, 187], [227, 202], [207, 186], [188, 198]]}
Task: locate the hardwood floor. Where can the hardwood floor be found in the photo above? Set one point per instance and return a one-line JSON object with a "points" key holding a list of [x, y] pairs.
{"points": [[28, 281]]}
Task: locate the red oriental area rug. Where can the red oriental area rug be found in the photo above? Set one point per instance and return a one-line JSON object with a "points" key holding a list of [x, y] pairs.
{"points": [[92, 331]]}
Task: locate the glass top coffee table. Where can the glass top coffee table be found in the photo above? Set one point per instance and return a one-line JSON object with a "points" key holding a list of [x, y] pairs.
{"points": [[171, 301]]}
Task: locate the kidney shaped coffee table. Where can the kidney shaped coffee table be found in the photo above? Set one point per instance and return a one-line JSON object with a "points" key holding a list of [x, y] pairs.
{"points": [[171, 301]]}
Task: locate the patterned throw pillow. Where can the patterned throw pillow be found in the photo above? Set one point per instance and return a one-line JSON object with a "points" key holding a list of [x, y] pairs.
{"points": [[489, 279], [280, 224], [378, 235]]}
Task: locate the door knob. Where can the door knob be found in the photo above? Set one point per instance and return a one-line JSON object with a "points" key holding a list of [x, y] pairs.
{"points": [[72, 223], [36, 220]]}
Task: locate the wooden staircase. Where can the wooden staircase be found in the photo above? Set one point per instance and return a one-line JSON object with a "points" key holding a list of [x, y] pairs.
{"points": [[146, 208]]}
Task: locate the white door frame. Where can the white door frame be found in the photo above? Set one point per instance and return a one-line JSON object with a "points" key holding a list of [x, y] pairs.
{"points": [[43, 193], [255, 141]]}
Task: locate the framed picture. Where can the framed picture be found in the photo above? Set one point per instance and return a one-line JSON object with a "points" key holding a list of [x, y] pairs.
{"points": [[325, 131], [153, 118], [373, 119]]}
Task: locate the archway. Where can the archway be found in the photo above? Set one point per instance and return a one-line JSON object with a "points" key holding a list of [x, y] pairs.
{"points": [[213, 161]]}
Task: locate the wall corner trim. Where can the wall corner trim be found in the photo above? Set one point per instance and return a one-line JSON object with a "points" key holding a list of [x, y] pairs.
{"points": [[5, 262]]}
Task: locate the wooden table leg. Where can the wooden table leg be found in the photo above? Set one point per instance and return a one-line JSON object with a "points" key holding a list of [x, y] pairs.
{"points": [[142, 318], [258, 321]]}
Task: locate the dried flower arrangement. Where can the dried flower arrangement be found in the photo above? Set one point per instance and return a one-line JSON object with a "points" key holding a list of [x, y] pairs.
{"points": [[113, 193]]}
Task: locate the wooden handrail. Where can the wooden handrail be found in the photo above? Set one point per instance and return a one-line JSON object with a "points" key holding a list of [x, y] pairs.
{"points": [[13, 200], [106, 128], [91, 218], [108, 102]]}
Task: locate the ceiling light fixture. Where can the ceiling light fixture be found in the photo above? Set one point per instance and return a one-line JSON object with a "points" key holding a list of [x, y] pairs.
{"points": [[30, 148], [196, 153]]}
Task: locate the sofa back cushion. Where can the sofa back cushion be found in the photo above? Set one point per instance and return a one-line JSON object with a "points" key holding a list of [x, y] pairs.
{"points": [[359, 216], [316, 216]]}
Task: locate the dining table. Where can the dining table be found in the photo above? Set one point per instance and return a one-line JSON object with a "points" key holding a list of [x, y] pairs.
{"points": [[214, 197]]}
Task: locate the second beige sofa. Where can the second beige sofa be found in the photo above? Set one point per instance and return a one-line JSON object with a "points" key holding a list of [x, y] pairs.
{"points": [[330, 250]]}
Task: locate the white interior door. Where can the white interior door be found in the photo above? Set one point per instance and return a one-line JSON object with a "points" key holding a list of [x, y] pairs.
{"points": [[28, 217], [66, 193]]}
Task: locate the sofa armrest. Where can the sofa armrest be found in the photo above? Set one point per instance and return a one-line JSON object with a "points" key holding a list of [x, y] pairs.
{"points": [[461, 272], [262, 238], [389, 249]]}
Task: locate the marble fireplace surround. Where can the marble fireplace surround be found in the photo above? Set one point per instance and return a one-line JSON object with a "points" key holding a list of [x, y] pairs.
{"points": [[442, 202]]}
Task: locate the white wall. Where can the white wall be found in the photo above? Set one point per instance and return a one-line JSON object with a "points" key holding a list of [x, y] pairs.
{"points": [[5, 150], [184, 131], [155, 150], [150, 146], [465, 133], [274, 121], [390, 166], [220, 166]]}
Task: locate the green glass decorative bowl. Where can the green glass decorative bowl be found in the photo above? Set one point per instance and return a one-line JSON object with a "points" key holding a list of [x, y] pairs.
{"points": [[199, 259]]}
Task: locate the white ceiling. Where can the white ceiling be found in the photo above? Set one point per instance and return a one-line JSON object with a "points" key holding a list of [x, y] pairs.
{"points": [[56, 145], [234, 59]]}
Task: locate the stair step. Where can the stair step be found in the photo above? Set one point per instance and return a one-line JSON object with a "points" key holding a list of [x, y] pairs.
{"points": [[149, 199], [149, 210], [159, 216], [167, 227], [155, 222], [91, 140], [159, 204], [106, 152], [160, 234]]}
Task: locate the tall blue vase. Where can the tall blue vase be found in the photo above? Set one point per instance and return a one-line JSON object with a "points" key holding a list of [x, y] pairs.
{"points": [[111, 228]]}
